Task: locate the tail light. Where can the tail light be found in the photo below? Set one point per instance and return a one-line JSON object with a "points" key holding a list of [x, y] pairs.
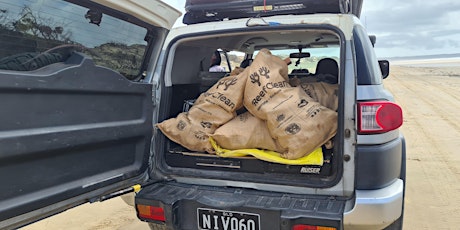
{"points": [[151, 212], [378, 117], [311, 227]]}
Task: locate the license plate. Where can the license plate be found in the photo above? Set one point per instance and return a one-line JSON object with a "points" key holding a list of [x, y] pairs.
{"points": [[214, 219]]}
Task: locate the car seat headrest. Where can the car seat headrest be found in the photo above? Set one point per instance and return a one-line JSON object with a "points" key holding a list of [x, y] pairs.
{"points": [[327, 66], [246, 62]]}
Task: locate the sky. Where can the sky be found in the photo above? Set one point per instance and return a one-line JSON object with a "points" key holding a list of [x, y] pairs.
{"points": [[405, 27]]}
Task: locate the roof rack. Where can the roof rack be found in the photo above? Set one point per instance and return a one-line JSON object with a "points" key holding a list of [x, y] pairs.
{"points": [[198, 11]]}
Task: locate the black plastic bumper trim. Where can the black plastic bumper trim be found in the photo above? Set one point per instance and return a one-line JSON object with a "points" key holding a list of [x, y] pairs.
{"points": [[377, 166], [276, 209]]}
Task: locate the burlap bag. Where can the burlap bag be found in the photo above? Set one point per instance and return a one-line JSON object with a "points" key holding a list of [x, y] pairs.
{"points": [[192, 129], [246, 132], [324, 93], [295, 120], [299, 123], [237, 70], [212, 109], [227, 93], [295, 81], [326, 78], [267, 76]]}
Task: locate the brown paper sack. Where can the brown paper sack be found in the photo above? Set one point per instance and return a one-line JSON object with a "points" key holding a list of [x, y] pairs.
{"points": [[227, 93], [294, 119], [246, 132], [237, 70], [267, 76], [299, 123], [212, 109], [324, 93]]}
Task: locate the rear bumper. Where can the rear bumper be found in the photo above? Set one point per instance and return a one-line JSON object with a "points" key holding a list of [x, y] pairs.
{"points": [[376, 209], [181, 203], [371, 209]]}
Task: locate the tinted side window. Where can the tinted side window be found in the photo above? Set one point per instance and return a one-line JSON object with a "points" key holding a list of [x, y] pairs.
{"points": [[36, 33], [367, 66]]}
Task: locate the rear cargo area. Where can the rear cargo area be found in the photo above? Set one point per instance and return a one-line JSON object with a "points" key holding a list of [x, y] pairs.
{"points": [[249, 141]]}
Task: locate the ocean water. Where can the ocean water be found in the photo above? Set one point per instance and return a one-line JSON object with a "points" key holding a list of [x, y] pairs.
{"points": [[435, 62]]}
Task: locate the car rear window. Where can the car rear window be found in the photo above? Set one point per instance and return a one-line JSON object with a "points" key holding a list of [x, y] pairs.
{"points": [[47, 31], [367, 66]]}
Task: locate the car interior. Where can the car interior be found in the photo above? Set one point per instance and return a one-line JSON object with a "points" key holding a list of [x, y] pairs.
{"points": [[186, 77]]}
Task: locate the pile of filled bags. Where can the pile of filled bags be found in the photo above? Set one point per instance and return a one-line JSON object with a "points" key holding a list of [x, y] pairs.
{"points": [[283, 121]]}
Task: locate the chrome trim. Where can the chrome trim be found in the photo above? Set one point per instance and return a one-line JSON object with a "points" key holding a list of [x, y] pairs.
{"points": [[375, 139], [375, 209]]}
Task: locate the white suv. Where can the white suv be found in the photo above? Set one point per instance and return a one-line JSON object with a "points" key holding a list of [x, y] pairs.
{"points": [[85, 86]]}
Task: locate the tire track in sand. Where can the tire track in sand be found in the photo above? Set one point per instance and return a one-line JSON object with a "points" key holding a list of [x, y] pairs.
{"points": [[432, 168]]}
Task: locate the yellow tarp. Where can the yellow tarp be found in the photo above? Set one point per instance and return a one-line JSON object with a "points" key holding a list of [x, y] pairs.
{"points": [[314, 158]]}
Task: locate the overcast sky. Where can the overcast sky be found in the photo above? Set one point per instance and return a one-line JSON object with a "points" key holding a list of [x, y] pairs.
{"points": [[406, 27], [413, 27]]}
